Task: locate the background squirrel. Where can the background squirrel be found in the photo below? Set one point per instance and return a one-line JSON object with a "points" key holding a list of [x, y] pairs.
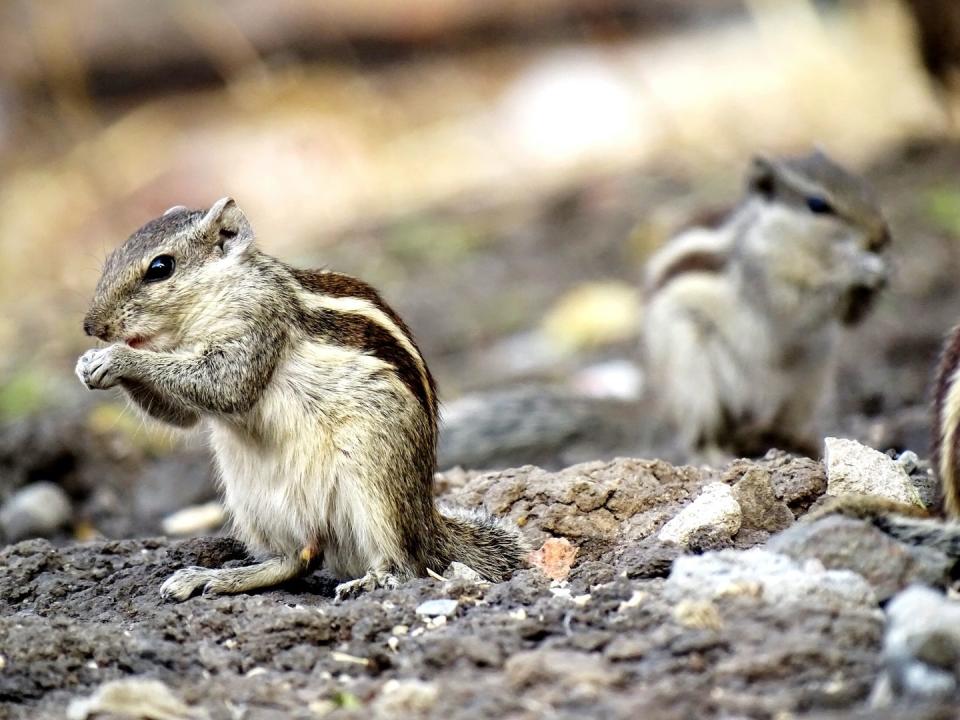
{"points": [[322, 411], [742, 321]]}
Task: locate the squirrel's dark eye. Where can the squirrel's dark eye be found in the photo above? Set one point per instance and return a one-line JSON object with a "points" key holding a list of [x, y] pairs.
{"points": [[161, 267], [819, 206], [764, 185]]}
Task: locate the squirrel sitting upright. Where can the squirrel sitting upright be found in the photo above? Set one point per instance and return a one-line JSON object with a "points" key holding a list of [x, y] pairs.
{"points": [[742, 321], [322, 412]]}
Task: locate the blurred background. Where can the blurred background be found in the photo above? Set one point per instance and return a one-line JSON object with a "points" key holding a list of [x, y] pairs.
{"points": [[499, 170]]}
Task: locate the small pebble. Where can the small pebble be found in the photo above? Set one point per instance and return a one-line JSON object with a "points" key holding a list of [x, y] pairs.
{"points": [[37, 510], [434, 608]]}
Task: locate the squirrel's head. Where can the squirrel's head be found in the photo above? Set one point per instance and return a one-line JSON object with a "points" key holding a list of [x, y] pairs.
{"points": [[827, 217], [154, 285]]}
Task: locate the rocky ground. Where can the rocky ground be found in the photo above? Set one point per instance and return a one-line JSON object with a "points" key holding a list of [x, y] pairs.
{"points": [[694, 591], [673, 608]]}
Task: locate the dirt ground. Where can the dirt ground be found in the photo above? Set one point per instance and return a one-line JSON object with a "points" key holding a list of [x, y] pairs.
{"points": [[611, 642]]}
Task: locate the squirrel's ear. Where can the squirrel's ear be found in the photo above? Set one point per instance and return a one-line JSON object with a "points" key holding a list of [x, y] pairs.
{"points": [[762, 177], [227, 226], [175, 208]]}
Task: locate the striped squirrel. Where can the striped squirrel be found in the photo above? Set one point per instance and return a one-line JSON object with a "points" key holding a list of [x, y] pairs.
{"points": [[321, 410], [742, 321]]}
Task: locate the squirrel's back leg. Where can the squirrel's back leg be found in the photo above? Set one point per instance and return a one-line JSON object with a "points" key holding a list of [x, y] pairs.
{"points": [[222, 581]]}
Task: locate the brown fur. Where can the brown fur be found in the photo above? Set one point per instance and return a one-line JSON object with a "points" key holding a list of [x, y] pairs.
{"points": [[944, 459], [323, 414], [691, 262]]}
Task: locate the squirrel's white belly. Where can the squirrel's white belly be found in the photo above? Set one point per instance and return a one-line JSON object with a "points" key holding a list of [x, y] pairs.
{"points": [[289, 470]]}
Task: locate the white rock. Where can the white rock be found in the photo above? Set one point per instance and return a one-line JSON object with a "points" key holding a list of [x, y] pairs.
{"points": [[433, 608], [37, 510], [774, 578], [853, 468], [134, 697], [194, 519], [459, 571], [714, 508], [399, 698], [921, 645]]}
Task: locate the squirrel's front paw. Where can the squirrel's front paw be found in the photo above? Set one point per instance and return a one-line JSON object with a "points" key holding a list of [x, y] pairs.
{"points": [[99, 369]]}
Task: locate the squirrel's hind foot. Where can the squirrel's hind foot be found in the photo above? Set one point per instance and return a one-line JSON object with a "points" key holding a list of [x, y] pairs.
{"points": [[373, 580], [185, 582]]}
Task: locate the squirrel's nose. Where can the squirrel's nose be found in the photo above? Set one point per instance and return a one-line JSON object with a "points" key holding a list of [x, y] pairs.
{"points": [[94, 329]]}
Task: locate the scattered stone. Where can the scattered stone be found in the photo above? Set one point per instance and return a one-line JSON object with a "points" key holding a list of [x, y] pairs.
{"points": [[775, 578], [399, 698], [853, 468], [909, 461], [559, 667], [797, 481], [698, 614], [759, 506], [136, 698], [554, 558], [458, 572], [715, 510], [438, 608], [921, 648], [195, 519], [845, 543], [649, 559], [37, 510], [628, 648]]}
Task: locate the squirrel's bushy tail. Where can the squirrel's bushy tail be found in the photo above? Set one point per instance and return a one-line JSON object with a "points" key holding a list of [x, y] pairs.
{"points": [[491, 547]]}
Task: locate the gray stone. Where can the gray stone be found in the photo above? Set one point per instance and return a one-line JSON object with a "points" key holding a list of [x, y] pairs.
{"points": [[921, 648], [461, 572], [759, 506], [842, 543], [853, 468], [435, 608], [558, 666], [909, 461], [37, 510], [772, 577]]}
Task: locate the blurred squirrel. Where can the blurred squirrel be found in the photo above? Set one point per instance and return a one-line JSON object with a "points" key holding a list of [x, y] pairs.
{"points": [[938, 40], [321, 409], [742, 321]]}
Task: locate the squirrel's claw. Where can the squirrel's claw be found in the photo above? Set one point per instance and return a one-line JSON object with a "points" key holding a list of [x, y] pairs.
{"points": [[97, 368], [373, 580]]}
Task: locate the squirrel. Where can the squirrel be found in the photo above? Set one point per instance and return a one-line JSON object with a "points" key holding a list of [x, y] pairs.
{"points": [[322, 411], [742, 321]]}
